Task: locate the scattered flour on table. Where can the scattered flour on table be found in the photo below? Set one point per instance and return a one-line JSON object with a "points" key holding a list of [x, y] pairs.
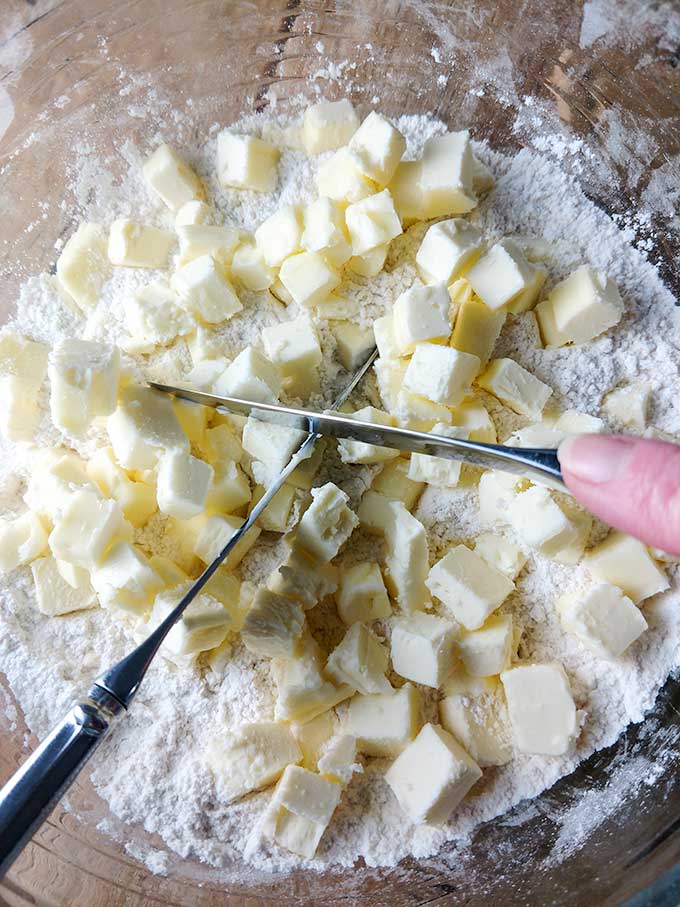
{"points": [[169, 792]]}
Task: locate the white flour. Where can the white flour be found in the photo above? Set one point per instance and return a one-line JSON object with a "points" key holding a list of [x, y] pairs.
{"points": [[168, 791]]}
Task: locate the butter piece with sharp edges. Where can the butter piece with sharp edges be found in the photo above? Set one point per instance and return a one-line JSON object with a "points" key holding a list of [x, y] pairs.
{"points": [[501, 275], [83, 266], [84, 379], [385, 723], [447, 250], [440, 373], [279, 235], [134, 245], [446, 175], [515, 387], [328, 125], [487, 651], [246, 162], [360, 661], [437, 471], [362, 596], [154, 317], [294, 347], [171, 178], [421, 313], [22, 539], [361, 451], [273, 625], [54, 596], [308, 278], [204, 291], [468, 587], [372, 222], [603, 618], [183, 484], [579, 308], [354, 344], [376, 148], [625, 562], [325, 231], [86, 528], [143, 426], [541, 708], [216, 532], [250, 376], [422, 648], [407, 557], [125, 579], [326, 524]]}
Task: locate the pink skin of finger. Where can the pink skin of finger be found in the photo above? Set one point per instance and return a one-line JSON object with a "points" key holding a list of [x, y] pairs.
{"points": [[631, 483]]}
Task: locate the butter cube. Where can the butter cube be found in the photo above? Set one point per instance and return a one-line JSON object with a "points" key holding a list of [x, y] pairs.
{"points": [[353, 344], [303, 693], [204, 624], [313, 736], [273, 625], [474, 417], [527, 299], [479, 720], [183, 484], [270, 444], [407, 558], [171, 178], [625, 562], [83, 266], [251, 376], [246, 162], [229, 491], [360, 661], [440, 373], [515, 387], [339, 178], [134, 245], [204, 291], [125, 579], [294, 347], [419, 414], [360, 451], [476, 329], [326, 524], [325, 231], [447, 250], [21, 540], [497, 490], [362, 596], [301, 808], [276, 515], [338, 762], [280, 235], [229, 592], [407, 191], [431, 776], [154, 317], [76, 577], [603, 618], [423, 648], [501, 274], [579, 308], [193, 418], [221, 444], [216, 532], [628, 405], [385, 723], [53, 594], [375, 513], [437, 471], [372, 222], [394, 483], [143, 425], [572, 422], [137, 499], [302, 579], [308, 278], [83, 383], [249, 267], [370, 263], [487, 651], [328, 125], [468, 587], [446, 175], [385, 340], [86, 529], [303, 475], [23, 364], [171, 575], [55, 475], [500, 553], [421, 313], [198, 240], [251, 757], [193, 212], [376, 148], [541, 708], [389, 375], [541, 522]]}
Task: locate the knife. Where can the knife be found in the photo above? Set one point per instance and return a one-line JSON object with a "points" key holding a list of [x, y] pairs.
{"points": [[541, 463]]}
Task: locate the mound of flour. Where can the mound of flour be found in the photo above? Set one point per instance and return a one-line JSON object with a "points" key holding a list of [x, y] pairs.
{"points": [[169, 792]]}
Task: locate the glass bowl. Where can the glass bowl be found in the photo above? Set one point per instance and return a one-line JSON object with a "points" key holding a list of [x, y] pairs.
{"points": [[76, 80]]}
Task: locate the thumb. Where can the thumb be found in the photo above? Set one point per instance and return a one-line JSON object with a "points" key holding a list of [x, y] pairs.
{"points": [[631, 483]]}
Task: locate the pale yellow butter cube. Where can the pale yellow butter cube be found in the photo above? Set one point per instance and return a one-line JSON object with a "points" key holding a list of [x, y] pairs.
{"points": [[431, 776], [251, 376], [468, 587], [276, 515], [446, 175], [370, 263], [221, 444], [229, 491], [294, 347], [441, 374], [23, 364], [487, 651], [362, 596], [246, 162], [527, 299], [171, 178], [603, 618], [280, 235], [628, 405], [372, 222], [193, 418], [579, 308], [134, 245], [86, 529], [84, 378], [170, 574], [301, 808], [625, 562], [422, 648], [540, 521], [183, 484], [308, 278], [204, 291], [55, 474], [303, 579], [376, 148], [497, 490], [325, 231], [55, 596], [153, 316], [541, 708], [375, 514], [447, 250], [251, 757], [473, 416], [83, 266], [328, 125], [313, 736], [421, 313], [249, 267], [353, 344], [303, 693], [22, 539], [514, 386], [340, 179], [389, 374], [143, 425], [204, 624], [360, 451], [326, 524], [385, 723], [407, 560], [360, 661], [197, 240], [395, 483], [193, 212], [407, 191], [216, 532], [273, 625], [478, 719], [501, 275], [476, 329], [437, 471], [385, 340], [137, 499], [125, 579], [270, 444], [500, 553], [338, 761]]}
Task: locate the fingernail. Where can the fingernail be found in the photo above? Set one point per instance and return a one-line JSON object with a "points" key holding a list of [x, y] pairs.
{"points": [[595, 458]]}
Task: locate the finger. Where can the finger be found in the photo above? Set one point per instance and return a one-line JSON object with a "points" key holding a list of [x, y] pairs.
{"points": [[631, 483]]}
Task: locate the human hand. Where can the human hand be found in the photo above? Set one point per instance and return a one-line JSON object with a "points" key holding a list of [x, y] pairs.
{"points": [[631, 483]]}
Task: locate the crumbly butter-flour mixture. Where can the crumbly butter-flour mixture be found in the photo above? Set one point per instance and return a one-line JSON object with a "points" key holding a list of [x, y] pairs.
{"points": [[187, 703]]}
